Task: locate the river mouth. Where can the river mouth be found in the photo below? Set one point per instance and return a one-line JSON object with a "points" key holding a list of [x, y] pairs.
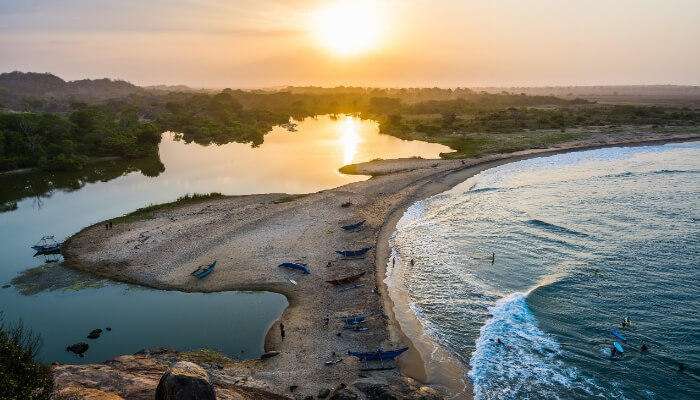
{"points": [[67, 306], [581, 240]]}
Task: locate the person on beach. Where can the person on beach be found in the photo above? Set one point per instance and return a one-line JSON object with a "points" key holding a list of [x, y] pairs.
{"points": [[282, 330], [412, 262]]}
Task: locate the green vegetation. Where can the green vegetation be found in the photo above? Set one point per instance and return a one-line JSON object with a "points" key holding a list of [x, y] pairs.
{"points": [[148, 211], [485, 127], [21, 376], [206, 356], [67, 142], [129, 126]]}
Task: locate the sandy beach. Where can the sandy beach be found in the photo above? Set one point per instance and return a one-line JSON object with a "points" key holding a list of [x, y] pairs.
{"points": [[250, 235]]}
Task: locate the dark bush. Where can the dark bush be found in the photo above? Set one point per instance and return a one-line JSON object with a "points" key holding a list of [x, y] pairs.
{"points": [[21, 376]]}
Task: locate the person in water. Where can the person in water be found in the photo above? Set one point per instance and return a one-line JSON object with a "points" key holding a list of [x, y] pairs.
{"points": [[614, 352], [626, 323], [644, 348], [493, 258]]}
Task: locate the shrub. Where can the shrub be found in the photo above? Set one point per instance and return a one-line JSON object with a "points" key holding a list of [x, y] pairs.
{"points": [[21, 376]]}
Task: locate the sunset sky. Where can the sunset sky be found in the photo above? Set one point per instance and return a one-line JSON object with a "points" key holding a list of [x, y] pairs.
{"points": [[262, 43]]}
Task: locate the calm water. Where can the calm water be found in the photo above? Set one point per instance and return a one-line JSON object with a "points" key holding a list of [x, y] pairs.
{"points": [[293, 162], [581, 241]]}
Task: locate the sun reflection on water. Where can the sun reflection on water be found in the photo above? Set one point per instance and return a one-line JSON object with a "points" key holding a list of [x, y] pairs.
{"points": [[349, 138]]}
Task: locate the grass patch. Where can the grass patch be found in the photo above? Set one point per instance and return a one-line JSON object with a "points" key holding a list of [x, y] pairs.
{"points": [[206, 356], [483, 144], [149, 211], [288, 198]]}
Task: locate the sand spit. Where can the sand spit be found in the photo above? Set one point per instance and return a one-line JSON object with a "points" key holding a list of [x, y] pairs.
{"points": [[251, 235]]}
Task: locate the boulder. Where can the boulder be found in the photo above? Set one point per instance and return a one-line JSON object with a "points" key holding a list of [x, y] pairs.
{"points": [[78, 348], [94, 334], [185, 381]]}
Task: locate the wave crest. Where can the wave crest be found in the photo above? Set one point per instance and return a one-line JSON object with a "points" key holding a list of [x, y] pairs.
{"points": [[515, 359]]}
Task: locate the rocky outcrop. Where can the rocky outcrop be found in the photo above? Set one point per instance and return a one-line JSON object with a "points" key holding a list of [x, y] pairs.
{"points": [[185, 381]]}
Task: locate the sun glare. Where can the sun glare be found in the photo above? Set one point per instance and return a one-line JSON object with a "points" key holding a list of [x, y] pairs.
{"points": [[349, 138], [349, 28]]}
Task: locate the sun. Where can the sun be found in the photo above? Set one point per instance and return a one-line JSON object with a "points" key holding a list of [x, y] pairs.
{"points": [[348, 28]]}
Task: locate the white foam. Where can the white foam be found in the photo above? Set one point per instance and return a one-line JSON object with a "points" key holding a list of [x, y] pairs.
{"points": [[527, 361]]}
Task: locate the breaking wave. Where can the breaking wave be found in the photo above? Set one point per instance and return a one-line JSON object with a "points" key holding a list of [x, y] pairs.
{"points": [[515, 359]]}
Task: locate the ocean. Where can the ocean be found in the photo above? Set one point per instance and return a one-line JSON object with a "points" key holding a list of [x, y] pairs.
{"points": [[522, 272]]}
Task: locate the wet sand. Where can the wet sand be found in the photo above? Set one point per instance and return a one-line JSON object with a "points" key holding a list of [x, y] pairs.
{"points": [[251, 235]]}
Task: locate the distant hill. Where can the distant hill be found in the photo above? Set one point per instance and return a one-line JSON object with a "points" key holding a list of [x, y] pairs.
{"points": [[47, 92]]}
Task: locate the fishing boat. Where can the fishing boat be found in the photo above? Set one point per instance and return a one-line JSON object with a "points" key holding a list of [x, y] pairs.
{"points": [[358, 319], [297, 266], [354, 253], [204, 270], [379, 355], [356, 328], [47, 245], [355, 226], [346, 279]]}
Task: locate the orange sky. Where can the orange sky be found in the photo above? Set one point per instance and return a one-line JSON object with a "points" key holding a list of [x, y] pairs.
{"points": [[262, 43]]}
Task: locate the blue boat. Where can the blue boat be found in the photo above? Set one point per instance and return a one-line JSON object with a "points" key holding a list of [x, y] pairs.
{"points": [[379, 355], [298, 266], [203, 271], [618, 335], [47, 245], [354, 253], [352, 227], [618, 347], [354, 320]]}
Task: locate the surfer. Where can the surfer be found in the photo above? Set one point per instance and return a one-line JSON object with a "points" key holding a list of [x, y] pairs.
{"points": [[626, 323], [613, 351]]}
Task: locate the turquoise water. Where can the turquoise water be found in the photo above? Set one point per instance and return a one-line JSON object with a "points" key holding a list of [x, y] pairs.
{"points": [[581, 241]]}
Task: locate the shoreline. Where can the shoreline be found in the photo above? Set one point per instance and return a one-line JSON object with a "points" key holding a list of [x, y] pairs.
{"points": [[381, 200]]}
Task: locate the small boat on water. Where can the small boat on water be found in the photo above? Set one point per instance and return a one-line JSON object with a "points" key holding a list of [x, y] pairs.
{"points": [[204, 270], [297, 266], [354, 253], [379, 355], [346, 279], [618, 335], [352, 227], [47, 245]]}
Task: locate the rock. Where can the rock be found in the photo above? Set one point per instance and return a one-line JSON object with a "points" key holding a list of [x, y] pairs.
{"points": [[377, 391], [323, 393], [293, 388], [6, 286], [343, 393], [78, 348], [185, 380], [269, 354], [109, 329], [309, 397], [94, 334]]}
